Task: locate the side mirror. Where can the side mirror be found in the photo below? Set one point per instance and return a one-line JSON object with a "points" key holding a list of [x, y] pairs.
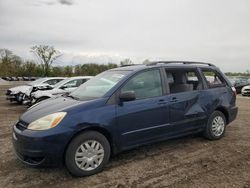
{"points": [[63, 87], [127, 96]]}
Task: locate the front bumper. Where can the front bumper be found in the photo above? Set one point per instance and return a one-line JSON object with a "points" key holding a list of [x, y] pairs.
{"points": [[245, 93], [11, 97], [15, 97], [38, 148]]}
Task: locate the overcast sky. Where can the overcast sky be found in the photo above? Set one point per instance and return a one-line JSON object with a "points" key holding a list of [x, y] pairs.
{"points": [[216, 31]]}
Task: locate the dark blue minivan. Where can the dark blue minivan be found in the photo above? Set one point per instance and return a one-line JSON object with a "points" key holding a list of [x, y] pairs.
{"points": [[124, 108]]}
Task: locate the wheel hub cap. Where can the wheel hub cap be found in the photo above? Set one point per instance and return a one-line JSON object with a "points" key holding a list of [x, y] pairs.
{"points": [[89, 155], [218, 126]]}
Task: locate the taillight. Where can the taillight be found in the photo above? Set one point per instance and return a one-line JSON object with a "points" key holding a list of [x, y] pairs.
{"points": [[234, 90]]}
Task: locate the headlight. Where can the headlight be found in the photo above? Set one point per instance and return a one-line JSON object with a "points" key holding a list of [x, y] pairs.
{"points": [[14, 92], [47, 122], [57, 93]]}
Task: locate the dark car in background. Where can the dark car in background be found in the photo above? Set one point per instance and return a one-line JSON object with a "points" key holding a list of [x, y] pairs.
{"points": [[124, 108], [239, 83]]}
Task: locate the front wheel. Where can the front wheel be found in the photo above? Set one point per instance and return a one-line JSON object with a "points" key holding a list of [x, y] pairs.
{"points": [[216, 126], [87, 154]]}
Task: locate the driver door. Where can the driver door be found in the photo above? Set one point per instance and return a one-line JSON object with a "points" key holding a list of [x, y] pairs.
{"points": [[144, 118]]}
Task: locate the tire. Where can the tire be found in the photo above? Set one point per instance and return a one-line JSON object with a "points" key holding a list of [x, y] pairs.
{"points": [[75, 148], [214, 131]]}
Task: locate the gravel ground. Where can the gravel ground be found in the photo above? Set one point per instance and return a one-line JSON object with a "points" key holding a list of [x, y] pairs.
{"points": [[186, 162]]}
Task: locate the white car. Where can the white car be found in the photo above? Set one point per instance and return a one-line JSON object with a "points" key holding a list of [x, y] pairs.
{"points": [[13, 94], [64, 87], [245, 91]]}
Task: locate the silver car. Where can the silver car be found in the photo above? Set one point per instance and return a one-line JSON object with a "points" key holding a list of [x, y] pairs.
{"points": [[64, 87], [17, 93]]}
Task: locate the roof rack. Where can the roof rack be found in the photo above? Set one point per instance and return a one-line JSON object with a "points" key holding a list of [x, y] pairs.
{"points": [[182, 62], [127, 65]]}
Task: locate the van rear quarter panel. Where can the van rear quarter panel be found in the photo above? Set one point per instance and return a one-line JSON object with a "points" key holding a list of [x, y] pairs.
{"points": [[214, 98]]}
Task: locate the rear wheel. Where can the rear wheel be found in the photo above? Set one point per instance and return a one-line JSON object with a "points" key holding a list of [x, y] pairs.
{"points": [[216, 126], [87, 154]]}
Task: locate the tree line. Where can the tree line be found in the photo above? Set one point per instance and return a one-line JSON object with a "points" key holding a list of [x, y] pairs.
{"points": [[13, 65]]}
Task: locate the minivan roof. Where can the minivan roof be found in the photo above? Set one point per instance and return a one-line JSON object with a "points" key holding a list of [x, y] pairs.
{"points": [[177, 64]]}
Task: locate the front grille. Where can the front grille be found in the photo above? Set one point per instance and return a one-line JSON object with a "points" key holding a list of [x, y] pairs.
{"points": [[247, 89], [21, 125], [8, 92]]}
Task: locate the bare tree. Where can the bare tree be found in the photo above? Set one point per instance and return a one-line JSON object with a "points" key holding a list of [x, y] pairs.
{"points": [[146, 61], [6, 55], [46, 55], [126, 62]]}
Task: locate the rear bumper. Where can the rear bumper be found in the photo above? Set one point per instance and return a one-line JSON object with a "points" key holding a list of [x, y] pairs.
{"points": [[233, 112]]}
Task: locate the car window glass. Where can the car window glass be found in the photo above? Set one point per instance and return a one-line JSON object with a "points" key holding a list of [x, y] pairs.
{"points": [[53, 81], [183, 81], [191, 76], [99, 85], [213, 79], [70, 84], [145, 85], [83, 81]]}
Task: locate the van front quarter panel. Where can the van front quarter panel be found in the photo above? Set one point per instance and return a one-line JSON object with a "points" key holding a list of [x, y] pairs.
{"points": [[100, 117]]}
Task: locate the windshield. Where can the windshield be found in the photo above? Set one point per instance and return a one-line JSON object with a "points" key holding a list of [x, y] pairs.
{"points": [[36, 82], [61, 83], [99, 85]]}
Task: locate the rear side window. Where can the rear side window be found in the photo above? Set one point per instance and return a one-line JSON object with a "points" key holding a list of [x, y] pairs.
{"points": [[180, 80], [145, 85], [213, 79], [191, 76]]}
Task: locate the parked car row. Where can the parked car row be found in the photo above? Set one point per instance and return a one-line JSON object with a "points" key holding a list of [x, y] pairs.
{"points": [[239, 83], [19, 78], [120, 109], [44, 88]]}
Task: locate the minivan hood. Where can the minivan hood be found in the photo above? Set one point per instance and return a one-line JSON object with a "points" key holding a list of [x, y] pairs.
{"points": [[48, 107], [59, 104]]}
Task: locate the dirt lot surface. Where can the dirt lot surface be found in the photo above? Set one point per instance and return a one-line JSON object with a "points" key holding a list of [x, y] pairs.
{"points": [[185, 162]]}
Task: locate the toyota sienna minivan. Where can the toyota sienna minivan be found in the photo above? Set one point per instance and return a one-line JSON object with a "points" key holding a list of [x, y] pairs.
{"points": [[123, 108]]}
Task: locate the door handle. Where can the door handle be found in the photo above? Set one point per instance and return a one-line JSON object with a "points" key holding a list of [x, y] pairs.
{"points": [[174, 99], [162, 101]]}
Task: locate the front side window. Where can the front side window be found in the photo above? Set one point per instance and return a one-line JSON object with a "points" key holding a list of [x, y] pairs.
{"points": [[145, 85], [213, 79]]}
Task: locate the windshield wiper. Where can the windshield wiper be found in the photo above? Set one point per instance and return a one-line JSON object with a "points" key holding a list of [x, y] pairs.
{"points": [[73, 97]]}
